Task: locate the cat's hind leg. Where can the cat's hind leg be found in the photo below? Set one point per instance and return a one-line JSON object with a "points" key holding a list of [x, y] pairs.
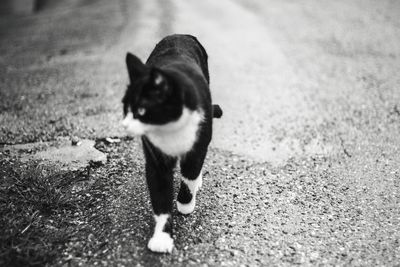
{"points": [[187, 194], [159, 176], [191, 182]]}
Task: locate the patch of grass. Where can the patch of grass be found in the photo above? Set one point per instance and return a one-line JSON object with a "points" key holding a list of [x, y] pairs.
{"points": [[36, 211]]}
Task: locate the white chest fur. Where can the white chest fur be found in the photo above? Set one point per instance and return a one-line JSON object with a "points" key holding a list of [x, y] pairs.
{"points": [[178, 137], [174, 138]]}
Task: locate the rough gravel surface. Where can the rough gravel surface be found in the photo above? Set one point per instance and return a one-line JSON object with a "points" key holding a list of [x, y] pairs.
{"points": [[304, 165]]}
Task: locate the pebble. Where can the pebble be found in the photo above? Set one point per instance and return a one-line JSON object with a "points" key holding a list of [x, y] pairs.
{"points": [[75, 141], [113, 140]]}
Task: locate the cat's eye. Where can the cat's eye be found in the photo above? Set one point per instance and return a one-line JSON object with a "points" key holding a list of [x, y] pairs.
{"points": [[141, 111]]}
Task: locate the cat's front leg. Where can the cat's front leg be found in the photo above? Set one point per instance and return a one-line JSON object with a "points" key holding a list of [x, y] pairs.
{"points": [[162, 241], [159, 176], [191, 182]]}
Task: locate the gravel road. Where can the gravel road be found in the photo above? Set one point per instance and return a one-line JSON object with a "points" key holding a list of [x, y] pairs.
{"points": [[304, 165]]}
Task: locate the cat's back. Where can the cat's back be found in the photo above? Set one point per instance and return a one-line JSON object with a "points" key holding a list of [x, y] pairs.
{"points": [[179, 48]]}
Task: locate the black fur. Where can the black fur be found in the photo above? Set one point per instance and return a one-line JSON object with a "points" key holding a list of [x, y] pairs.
{"points": [[174, 76], [217, 111]]}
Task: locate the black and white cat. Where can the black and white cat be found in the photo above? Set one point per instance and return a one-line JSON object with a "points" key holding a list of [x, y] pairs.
{"points": [[168, 103]]}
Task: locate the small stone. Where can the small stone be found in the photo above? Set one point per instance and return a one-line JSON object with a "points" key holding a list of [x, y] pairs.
{"points": [[112, 140], [91, 237], [314, 255], [75, 141]]}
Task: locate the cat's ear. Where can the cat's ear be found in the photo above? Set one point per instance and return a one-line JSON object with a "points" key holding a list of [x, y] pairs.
{"points": [[135, 66], [159, 80]]}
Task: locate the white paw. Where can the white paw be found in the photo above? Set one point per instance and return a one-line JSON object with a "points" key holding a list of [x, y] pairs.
{"points": [[188, 207], [161, 242]]}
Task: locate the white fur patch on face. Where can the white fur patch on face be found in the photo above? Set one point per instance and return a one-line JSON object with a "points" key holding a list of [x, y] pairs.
{"points": [[194, 186], [158, 79], [161, 241], [133, 126], [177, 137]]}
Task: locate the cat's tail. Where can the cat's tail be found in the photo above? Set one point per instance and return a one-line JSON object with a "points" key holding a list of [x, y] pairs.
{"points": [[217, 111]]}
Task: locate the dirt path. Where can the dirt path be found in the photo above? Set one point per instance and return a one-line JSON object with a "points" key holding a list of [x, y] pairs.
{"points": [[303, 168]]}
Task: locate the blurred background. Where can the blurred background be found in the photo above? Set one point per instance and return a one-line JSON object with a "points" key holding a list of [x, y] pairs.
{"points": [[290, 75], [311, 96]]}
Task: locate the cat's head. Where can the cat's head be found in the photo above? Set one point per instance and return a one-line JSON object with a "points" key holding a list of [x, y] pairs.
{"points": [[152, 98]]}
